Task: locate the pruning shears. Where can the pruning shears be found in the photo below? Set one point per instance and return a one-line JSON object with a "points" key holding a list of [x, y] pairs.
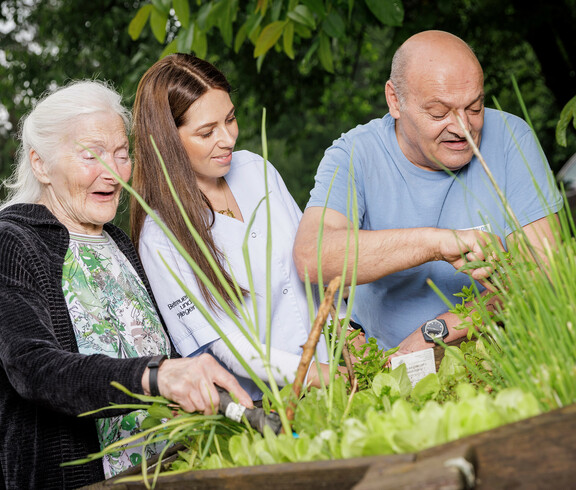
{"points": [[257, 417]]}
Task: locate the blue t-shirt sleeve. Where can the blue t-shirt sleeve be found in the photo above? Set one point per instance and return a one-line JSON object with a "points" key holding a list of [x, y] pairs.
{"points": [[531, 189]]}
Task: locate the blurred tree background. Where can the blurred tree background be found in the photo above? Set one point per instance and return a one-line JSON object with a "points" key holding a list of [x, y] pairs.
{"points": [[320, 69]]}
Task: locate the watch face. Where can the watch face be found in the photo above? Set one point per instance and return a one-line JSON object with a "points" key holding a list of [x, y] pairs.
{"points": [[434, 328]]}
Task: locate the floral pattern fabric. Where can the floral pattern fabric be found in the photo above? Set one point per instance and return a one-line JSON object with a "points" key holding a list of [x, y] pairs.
{"points": [[112, 314]]}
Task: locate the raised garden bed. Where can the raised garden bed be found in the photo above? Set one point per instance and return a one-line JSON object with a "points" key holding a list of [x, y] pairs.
{"points": [[539, 452]]}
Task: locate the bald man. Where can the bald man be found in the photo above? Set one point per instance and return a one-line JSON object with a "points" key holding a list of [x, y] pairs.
{"points": [[417, 220]]}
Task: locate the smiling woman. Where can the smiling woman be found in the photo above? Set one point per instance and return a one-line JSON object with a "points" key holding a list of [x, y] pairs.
{"points": [[76, 309], [79, 190], [183, 103]]}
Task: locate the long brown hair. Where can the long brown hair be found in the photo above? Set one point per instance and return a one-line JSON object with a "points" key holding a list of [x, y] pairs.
{"points": [[164, 94]]}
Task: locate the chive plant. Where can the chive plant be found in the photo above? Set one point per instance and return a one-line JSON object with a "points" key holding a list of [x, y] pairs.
{"points": [[530, 339]]}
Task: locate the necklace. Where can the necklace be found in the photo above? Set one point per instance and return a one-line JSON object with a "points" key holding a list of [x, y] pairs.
{"points": [[226, 212]]}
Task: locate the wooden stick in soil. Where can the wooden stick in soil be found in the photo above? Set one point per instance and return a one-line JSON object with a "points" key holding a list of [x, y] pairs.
{"points": [[345, 351], [310, 346]]}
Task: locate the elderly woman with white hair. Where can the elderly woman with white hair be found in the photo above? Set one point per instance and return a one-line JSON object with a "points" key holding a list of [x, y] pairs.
{"points": [[76, 310]]}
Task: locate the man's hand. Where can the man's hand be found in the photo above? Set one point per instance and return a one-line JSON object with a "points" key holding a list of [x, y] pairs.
{"points": [[460, 247], [190, 381]]}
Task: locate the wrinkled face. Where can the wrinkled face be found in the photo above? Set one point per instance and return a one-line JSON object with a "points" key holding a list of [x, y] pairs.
{"points": [[427, 128], [209, 135], [78, 189]]}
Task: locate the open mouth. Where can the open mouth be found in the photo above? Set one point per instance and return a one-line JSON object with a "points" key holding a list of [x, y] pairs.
{"points": [[456, 143], [104, 193]]}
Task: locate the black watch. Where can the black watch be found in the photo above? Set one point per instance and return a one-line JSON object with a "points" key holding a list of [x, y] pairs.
{"points": [[434, 329], [153, 366]]}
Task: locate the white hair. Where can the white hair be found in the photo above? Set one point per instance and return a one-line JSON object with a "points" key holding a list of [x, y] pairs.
{"points": [[44, 128]]}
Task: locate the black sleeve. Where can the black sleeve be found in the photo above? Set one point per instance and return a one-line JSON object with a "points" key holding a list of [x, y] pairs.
{"points": [[37, 348]]}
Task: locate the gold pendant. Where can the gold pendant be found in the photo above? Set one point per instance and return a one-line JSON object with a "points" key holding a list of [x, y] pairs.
{"points": [[227, 212]]}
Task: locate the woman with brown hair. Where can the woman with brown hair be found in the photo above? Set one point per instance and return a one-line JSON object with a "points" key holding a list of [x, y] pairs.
{"points": [[183, 105]]}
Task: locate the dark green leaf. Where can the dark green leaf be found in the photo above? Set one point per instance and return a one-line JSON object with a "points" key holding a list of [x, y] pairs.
{"points": [[241, 36], [302, 15], [139, 21], [162, 6], [389, 12], [200, 44], [253, 26], [288, 40], [225, 23], [185, 38], [302, 31], [182, 9], [218, 14], [158, 22], [204, 18], [325, 53], [316, 6], [334, 25]]}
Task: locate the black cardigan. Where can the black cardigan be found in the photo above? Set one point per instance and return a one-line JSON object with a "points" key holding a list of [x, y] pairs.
{"points": [[44, 382]]}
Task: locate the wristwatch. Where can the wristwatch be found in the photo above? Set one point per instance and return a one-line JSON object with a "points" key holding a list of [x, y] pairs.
{"points": [[434, 329], [153, 366]]}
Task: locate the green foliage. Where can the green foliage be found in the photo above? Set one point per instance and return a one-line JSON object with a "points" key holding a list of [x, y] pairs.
{"points": [[535, 348], [312, 28], [390, 417], [568, 114], [371, 360]]}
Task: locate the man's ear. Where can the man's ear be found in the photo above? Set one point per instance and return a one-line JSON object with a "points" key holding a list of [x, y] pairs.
{"points": [[39, 167], [392, 100]]}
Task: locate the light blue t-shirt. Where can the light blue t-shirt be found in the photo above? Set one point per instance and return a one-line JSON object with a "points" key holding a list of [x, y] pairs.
{"points": [[393, 193]]}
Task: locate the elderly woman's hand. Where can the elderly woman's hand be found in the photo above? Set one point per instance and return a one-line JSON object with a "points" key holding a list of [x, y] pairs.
{"points": [[190, 381]]}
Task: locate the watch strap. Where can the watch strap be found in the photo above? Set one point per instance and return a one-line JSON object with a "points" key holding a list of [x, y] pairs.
{"points": [[153, 366]]}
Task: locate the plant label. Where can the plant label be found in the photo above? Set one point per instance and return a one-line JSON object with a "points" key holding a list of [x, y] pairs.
{"points": [[418, 364]]}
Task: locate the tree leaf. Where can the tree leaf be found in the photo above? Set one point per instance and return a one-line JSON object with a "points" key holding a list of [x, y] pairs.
{"points": [[302, 31], [316, 6], [334, 25], [162, 5], [241, 36], [389, 12], [269, 37], [325, 53], [139, 21], [567, 114], [217, 14], [182, 9], [158, 22], [200, 44], [171, 48], [302, 15], [185, 39], [226, 19], [288, 40], [204, 19], [253, 28]]}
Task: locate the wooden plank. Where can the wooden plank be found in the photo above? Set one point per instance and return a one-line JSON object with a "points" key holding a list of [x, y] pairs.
{"points": [[342, 474], [441, 471]]}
